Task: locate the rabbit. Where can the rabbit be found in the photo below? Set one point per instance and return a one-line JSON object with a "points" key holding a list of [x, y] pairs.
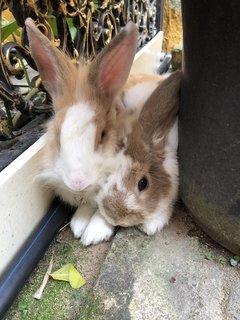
{"points": [[94, 228], [143, 190], [91, 120]]}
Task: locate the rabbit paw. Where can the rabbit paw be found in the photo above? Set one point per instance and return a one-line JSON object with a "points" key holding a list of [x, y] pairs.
{"points": [[153, 225], [97, 230], [81, 219]]}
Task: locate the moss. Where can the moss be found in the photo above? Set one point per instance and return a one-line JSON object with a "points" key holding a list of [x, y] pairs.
{"points": [[59, 300], [56, 301], [177, 57], [93, 309]]}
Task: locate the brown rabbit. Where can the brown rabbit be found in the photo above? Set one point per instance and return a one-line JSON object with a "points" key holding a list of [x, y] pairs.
{"points": [[144, 188]]}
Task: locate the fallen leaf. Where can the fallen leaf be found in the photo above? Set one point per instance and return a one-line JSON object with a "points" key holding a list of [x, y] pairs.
{"points": [[69, 273], [75, 279], [62, 274]]}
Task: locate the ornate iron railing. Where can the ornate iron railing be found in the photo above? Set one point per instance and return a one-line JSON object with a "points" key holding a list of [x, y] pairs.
{"points": [[78, 27]]}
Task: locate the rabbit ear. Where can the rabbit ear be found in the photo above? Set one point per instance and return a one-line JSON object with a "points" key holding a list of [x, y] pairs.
{"points": [[160, 110], [53, 66], [110, 70]]}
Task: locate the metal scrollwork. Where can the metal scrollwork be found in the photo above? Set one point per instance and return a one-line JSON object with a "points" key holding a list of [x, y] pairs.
{"points": [[81, 28]]}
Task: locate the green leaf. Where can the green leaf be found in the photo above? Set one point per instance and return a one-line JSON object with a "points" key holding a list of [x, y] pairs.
{"points": [[237, 258], [72, 28], [75, 279], [233, 262], [222, 260], [62, 274], [69, 273], [209, 256], [8, 29], [22, 306], [53, 24]]}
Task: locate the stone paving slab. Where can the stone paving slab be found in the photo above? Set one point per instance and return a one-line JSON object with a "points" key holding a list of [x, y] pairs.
{"points": [[178, 274]]}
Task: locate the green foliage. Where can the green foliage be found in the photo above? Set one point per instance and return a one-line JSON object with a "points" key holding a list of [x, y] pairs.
{"points": [[209, 256], [53, 25], [23, 308], [220, 259], [8, 28], [72, 29]]}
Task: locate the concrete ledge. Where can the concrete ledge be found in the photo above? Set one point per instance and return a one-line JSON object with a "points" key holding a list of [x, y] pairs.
{"points": [[165, 277], [23, 202]]}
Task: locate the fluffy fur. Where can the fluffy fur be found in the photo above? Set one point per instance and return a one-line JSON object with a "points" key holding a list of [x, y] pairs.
{"points": [[150, 153], [94, 138]]}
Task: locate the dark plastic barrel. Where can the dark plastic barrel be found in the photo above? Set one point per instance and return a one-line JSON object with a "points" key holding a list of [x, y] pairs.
{"points": [[209, 120]]}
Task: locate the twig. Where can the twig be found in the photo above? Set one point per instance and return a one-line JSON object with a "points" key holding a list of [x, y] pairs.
{"points": [[63, 227], [38, 294], [31, 93]]}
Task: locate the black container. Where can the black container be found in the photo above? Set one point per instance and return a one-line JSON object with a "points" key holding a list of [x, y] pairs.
{"points": [[209, 121], [13, 278]]}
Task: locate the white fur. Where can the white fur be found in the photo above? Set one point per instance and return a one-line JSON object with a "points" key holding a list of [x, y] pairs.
{"points": [[122, 164], [130, 27], [170, 163], [136, 96], [173, 136], [158, 219], [156, 140], [78, 166], [75, 154], [97, 230], [81, 219], [131, 202]]}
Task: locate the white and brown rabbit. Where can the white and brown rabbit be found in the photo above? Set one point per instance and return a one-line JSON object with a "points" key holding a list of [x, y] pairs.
{"points": [[82, 142], [143, 190], [85, 138]]}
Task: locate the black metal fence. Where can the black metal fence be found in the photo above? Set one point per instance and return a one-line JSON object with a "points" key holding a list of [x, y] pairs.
{"points": [[78, 27]]}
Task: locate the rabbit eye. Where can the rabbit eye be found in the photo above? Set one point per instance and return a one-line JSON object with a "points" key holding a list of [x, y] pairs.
{"points": [[142, 183]]}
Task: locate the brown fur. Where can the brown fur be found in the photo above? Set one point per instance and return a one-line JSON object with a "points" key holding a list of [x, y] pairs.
{"points": [[69, 84], [119, 216], [146, 162], [113, 64], [147, 154], [160, 110], [140, 78]]}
